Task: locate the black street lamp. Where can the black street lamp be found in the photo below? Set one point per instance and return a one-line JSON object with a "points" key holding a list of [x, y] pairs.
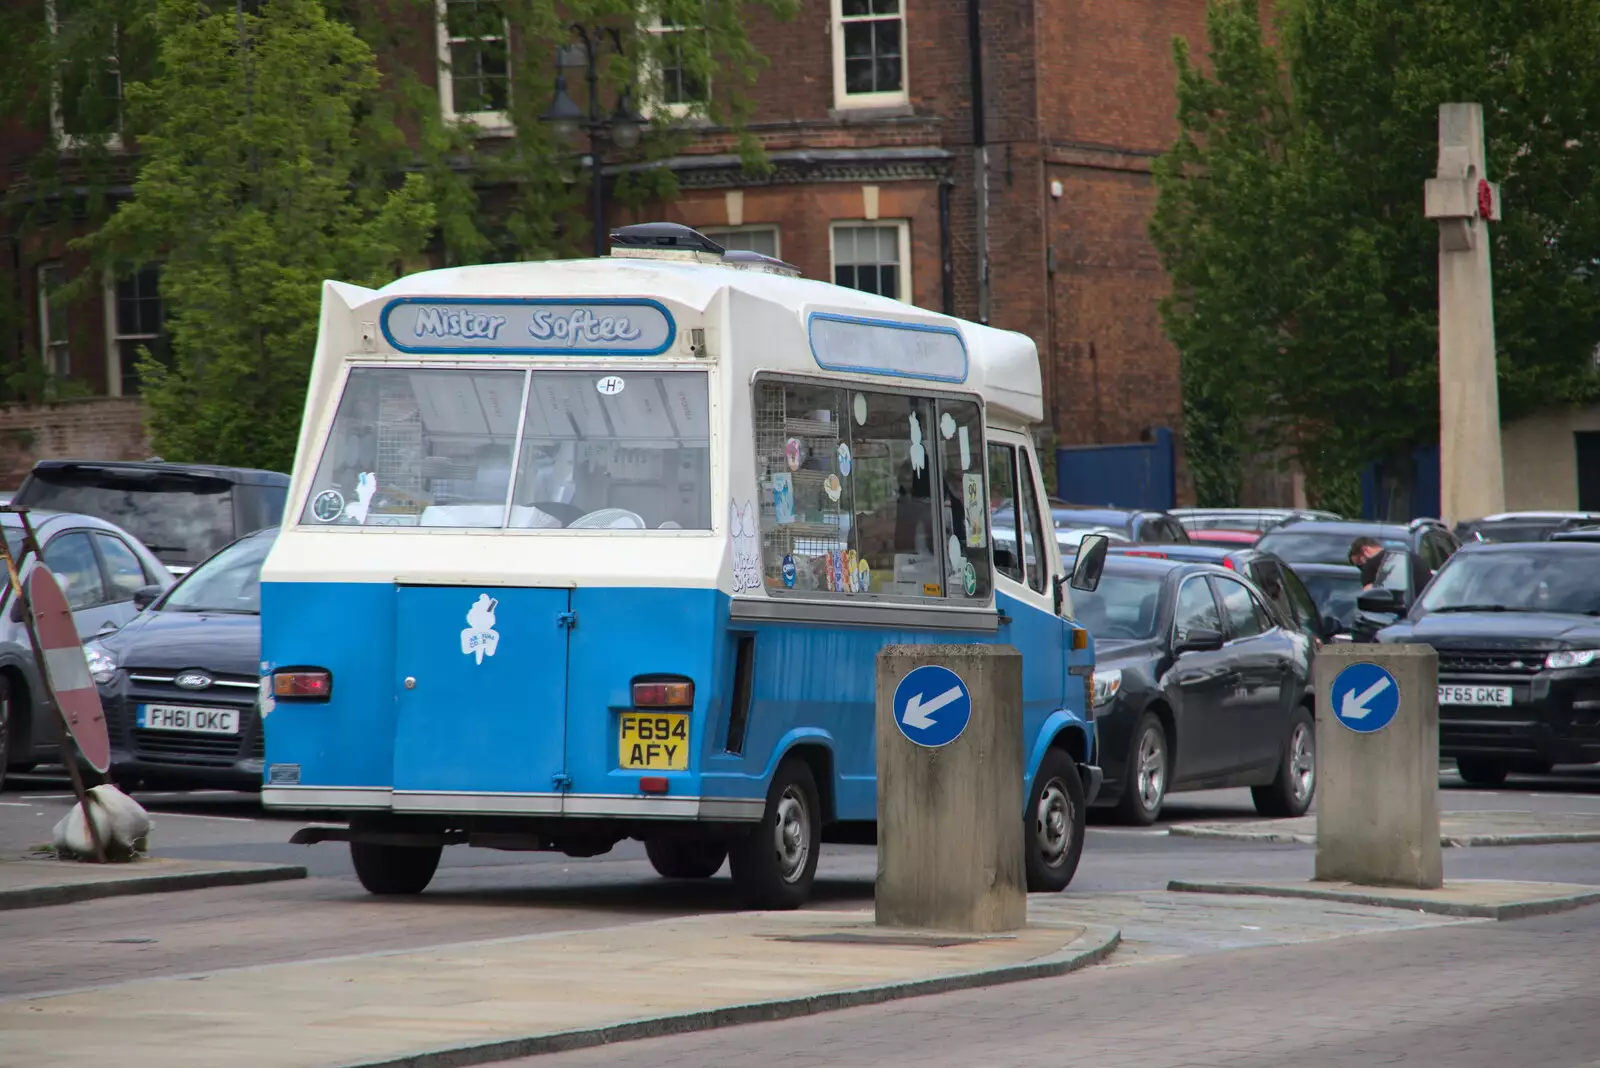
{"points": [[622, 128]]}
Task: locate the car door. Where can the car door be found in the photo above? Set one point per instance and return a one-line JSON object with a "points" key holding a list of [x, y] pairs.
{"points": [[1260, 653], [124, 575], [1197, 684], [71, 556]]}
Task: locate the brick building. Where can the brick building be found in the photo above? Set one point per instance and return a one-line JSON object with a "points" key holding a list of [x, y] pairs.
{"points": [[1029, 214]]}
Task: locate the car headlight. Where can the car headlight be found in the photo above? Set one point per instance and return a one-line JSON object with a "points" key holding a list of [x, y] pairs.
{"points": [[102, 665], [1572, 658], [1106, 685]]}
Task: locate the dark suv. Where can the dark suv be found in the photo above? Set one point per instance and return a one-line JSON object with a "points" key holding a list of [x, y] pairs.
{"points": [[182, 512], [1321, 542], [1517, 629]]}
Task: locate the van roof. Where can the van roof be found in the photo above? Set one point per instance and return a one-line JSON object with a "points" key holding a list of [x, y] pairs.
{"points": [[1003, 366]]}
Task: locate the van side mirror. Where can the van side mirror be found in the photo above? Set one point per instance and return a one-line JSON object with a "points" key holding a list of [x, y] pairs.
{"points": [[145, 596], [1089, 562]]}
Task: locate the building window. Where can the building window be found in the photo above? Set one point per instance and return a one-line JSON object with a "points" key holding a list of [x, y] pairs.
{"points": [[136, 321], [674, 87], [474, 65], [762, 239], [54, 336], [869, 65], [874, 258], [86, 101]]}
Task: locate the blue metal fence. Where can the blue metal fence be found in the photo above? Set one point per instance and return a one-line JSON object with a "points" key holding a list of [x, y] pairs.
{"points": [[1137, 475], [1388, 495]]}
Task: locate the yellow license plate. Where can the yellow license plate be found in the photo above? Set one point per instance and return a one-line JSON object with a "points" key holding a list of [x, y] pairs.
{"points": [[653, 741]]}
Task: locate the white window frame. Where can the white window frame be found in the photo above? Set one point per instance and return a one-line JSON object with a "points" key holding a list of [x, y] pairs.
{"points": [[115, 337], [489, 122], [650, 105], [65, 141], [903, 243], [47, 346], [716, 233], [845, 100]]}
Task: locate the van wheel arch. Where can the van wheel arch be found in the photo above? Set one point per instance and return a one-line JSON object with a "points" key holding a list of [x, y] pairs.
{"points": [[819, 758]]}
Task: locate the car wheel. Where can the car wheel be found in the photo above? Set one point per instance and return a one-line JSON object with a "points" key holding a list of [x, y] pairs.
{"points": [[1290, 793], [393, 869], [1481, 771], [685, 858], [1144, 786], [775, 864], [1055, 823]]}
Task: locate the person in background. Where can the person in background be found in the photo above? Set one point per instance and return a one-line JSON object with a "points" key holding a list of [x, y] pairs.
{"points": [[1366, 553]]}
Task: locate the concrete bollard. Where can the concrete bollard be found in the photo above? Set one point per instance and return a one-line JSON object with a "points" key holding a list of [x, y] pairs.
{"points": [[1378, 765], [950, 764]]}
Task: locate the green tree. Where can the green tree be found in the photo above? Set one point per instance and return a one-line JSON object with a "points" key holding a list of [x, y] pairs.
{"points": [[257, 184], [1290, 221]]}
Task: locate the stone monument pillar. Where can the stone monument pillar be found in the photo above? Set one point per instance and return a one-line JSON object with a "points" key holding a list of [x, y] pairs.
{"points": [[1464, 201]]}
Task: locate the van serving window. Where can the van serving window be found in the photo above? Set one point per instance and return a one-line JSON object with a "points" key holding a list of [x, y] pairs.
{"points": [[886, 347], [620, 451], [871, 493]]}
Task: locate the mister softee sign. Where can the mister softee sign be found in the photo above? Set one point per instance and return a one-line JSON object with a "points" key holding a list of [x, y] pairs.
{"points": [[533, 327]]}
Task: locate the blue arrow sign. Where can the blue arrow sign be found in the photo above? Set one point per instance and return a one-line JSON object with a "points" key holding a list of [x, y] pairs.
{"points": [[1365, 697], [932, 706]]}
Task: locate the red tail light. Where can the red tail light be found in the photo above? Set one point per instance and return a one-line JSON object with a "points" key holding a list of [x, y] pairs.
{"points": [[1227, 563], [1145, 552], [302, 684], [663, 694]]}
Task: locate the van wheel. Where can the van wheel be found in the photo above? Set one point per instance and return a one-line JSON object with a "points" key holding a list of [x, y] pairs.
{"points": [[685, 858], [775, 864], [1054, 824], [1289, 794], [392, 869]]}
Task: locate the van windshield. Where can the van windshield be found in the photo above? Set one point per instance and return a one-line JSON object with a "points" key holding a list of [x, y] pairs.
{"points": [[623, 450]]}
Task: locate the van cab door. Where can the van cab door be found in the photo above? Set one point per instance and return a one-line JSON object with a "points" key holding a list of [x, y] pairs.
{"points": [[1024, 564]]}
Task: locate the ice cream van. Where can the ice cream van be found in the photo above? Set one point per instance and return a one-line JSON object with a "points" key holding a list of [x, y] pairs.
{"points": [[583, 551]]}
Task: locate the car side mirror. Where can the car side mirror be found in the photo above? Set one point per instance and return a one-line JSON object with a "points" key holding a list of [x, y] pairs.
{"points": [[1200, 640], [1089, 562], [1330, 627], [1382, 600], [145, 596]]}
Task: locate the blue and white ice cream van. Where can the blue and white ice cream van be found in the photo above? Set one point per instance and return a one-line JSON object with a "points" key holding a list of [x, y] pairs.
{"points": [[590, 550]]}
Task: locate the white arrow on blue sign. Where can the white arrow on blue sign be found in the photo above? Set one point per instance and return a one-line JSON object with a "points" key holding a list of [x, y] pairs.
{"points": [[1365, 697], [932, 706]]}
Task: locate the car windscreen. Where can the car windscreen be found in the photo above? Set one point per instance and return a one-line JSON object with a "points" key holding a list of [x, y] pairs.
{"points": [[1316, 546], [1122, 607], [627, 449], [1509, 532], [1335, 594], [181, 518], [228, 582], [1563, 579]]}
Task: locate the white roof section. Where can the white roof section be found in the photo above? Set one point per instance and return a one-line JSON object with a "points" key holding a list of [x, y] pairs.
{"points": [[1003, 366]]}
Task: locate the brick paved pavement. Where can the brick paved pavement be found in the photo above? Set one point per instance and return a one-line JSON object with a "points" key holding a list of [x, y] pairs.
{"points": [[1474, 995]]}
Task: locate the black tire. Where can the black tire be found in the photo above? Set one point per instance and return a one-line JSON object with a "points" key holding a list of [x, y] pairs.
{"points": [[392, 869], [685, 858], [1481, 771], [1292, 790], [1054, 823], [775, 864], [1147, 775]]}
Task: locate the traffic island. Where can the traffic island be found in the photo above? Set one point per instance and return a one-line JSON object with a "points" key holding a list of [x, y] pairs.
{"points": [[477, 1003], [1455, 829], [1489, 899], [31, 882]]}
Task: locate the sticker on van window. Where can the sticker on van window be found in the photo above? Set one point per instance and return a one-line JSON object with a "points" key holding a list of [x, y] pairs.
{"points": [[947, 426], [972, 499], [966, 449], [366, 489], [863, 576], [610, 385], [789, 571], [860, 407], [919, 455], [480, 639], [783, 498], [791, 453], [953, 553], [845, 462], [328, 506], [833, 488], [969, 579]]}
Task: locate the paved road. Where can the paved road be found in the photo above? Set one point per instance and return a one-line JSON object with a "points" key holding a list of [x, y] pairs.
{"points": [[1477, 995]]}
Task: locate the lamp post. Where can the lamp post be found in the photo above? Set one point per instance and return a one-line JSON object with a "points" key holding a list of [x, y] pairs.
{"points": [[622, 128]]}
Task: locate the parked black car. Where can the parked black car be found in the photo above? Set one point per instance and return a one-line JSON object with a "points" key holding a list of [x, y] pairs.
{"points": [[101, 568], [1517, 629], [1334, 588], [1198, 684], [1272, 576], [1129, 524], [182, 512], [1318, 542], [179, 683], [1522, 526]]}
